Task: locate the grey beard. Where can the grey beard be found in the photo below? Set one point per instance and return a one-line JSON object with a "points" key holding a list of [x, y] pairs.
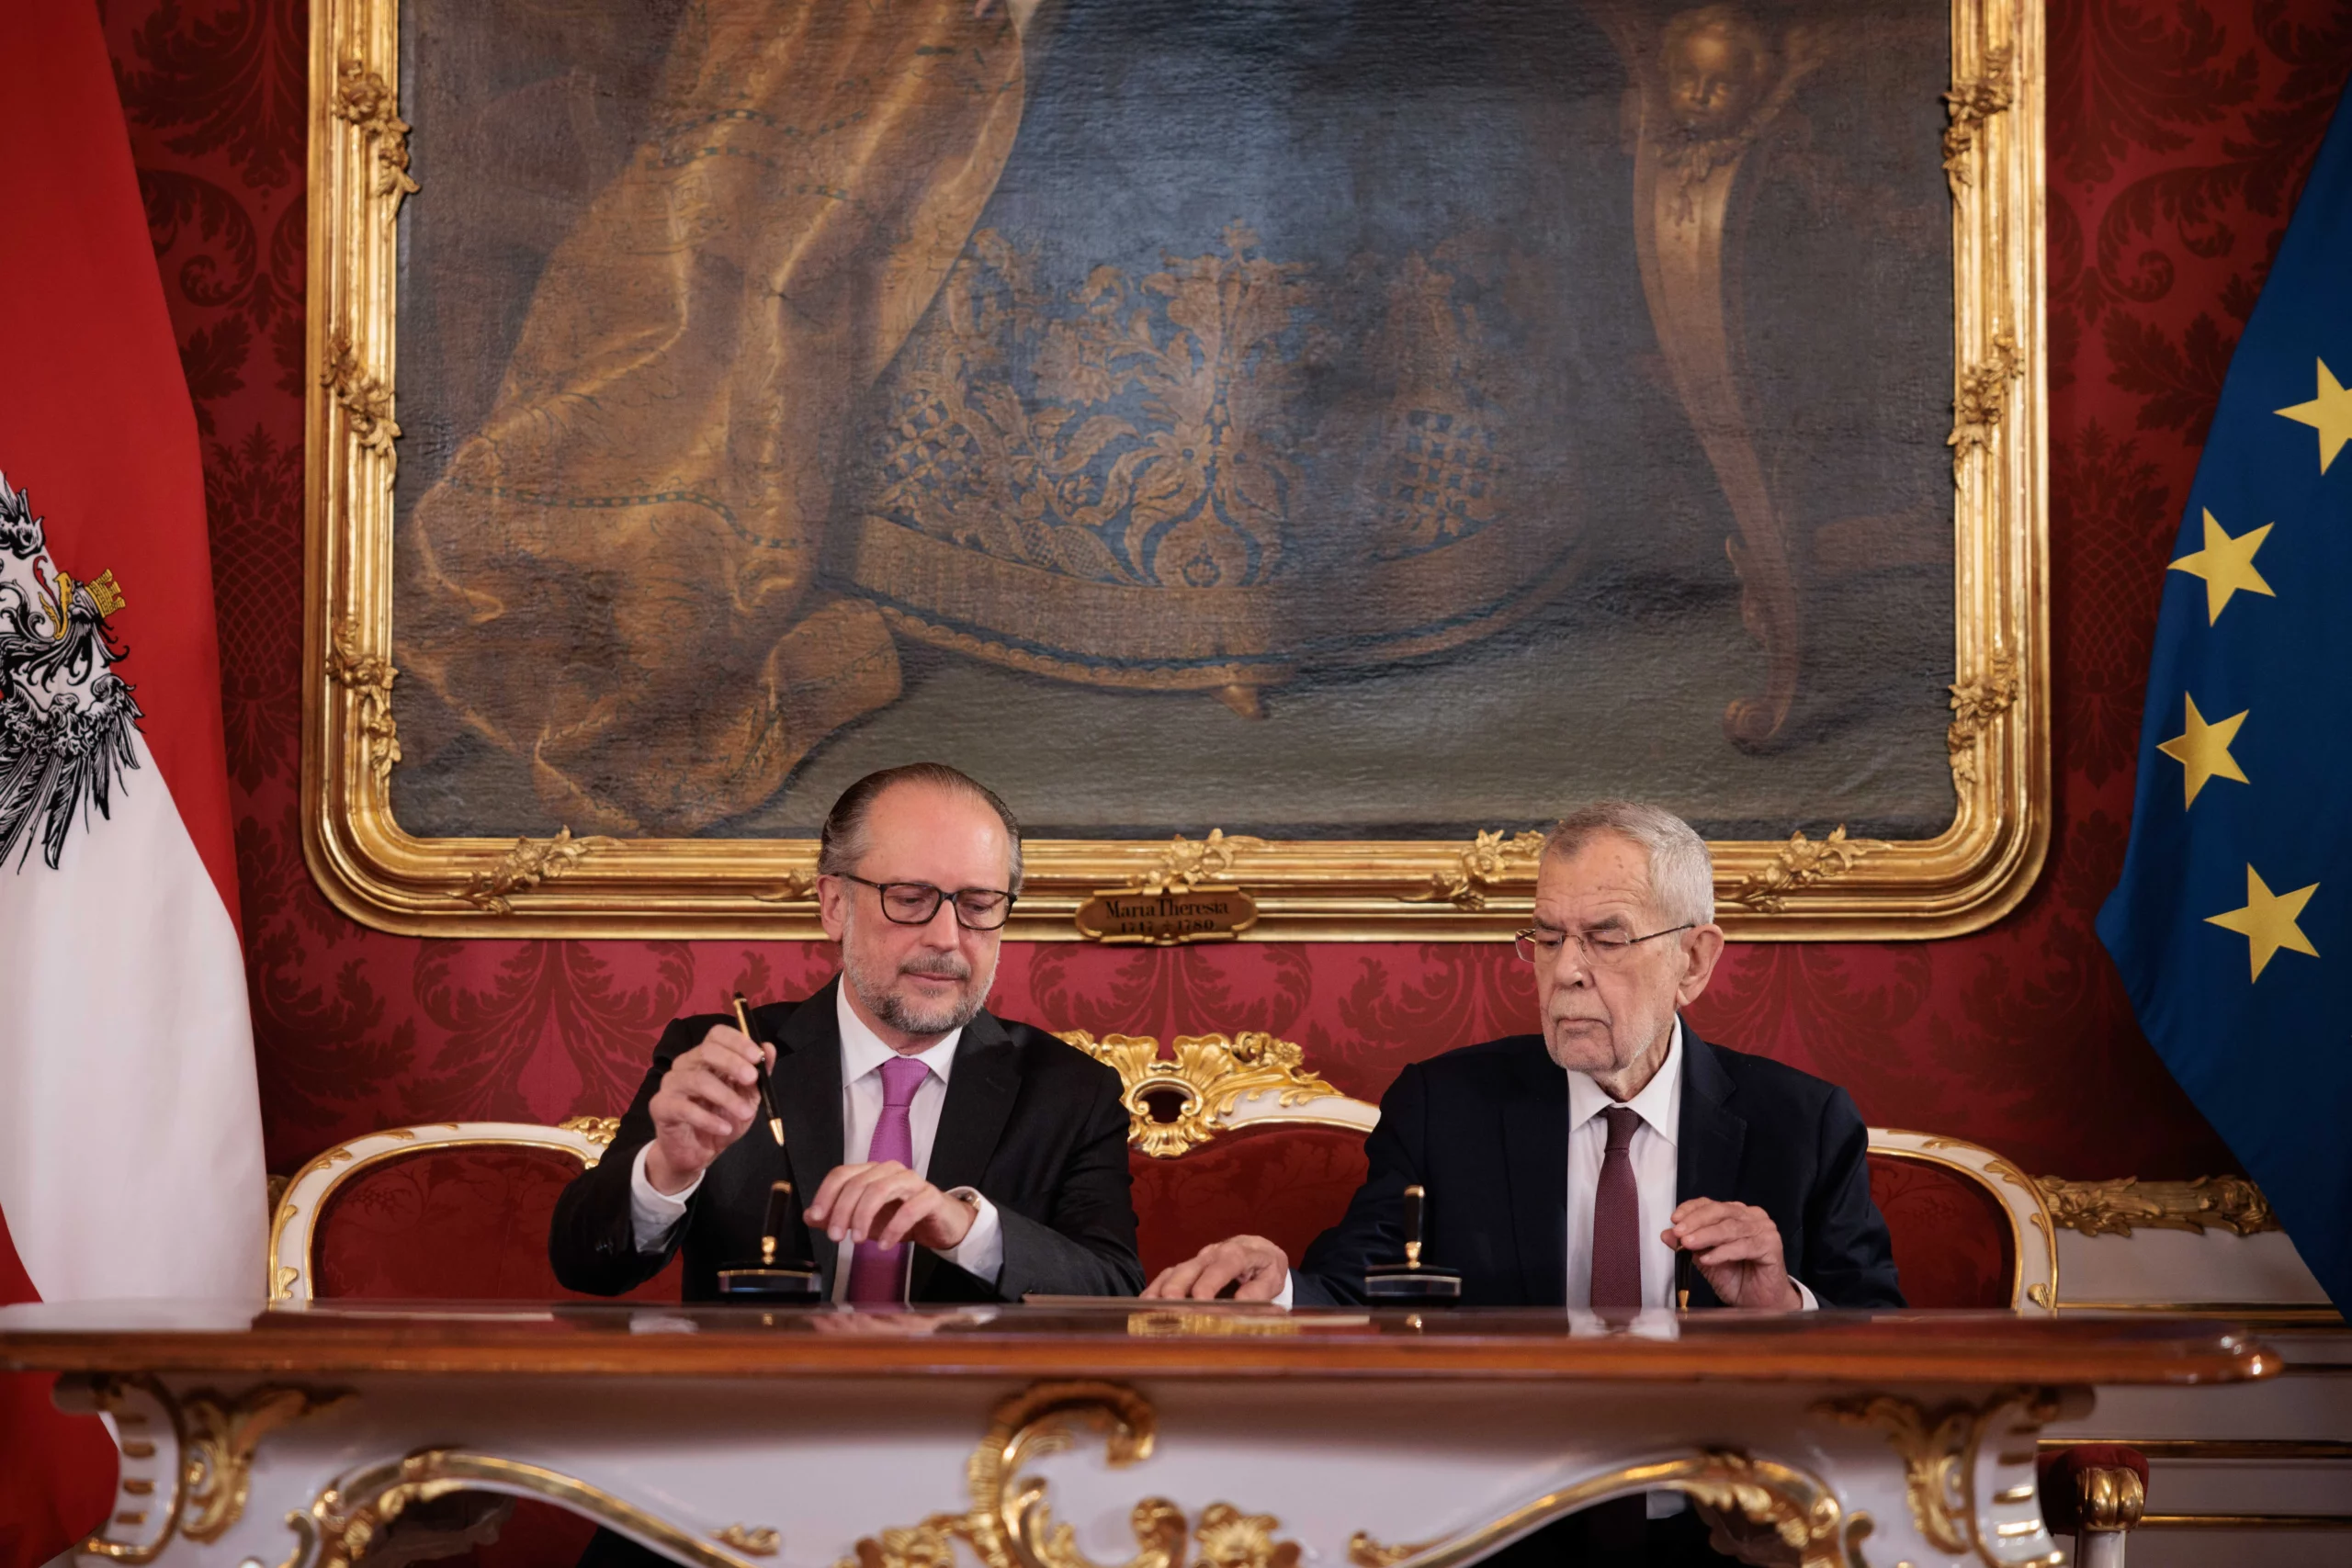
{"points": [[913, 1018], [910, 1016]]}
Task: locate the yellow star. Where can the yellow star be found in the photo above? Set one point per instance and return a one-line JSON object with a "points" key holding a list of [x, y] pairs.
{"points": [[2267, 921], [2203, 751], [2226, 565], [2329, 412]]}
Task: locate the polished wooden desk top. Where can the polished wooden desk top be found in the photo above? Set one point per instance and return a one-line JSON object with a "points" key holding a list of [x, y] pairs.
{"points": [[1124, 1339]]}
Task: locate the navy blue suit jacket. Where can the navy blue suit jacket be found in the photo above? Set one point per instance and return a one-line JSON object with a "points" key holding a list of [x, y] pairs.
{"points": [[1485, 1131]]}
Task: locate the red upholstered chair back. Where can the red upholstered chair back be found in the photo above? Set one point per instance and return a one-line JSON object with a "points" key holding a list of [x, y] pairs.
{"points": [[1952, 1246], [457, 1224], [1287, 1183], [1232, 1133], [455, 1212], [1970, 1229]]}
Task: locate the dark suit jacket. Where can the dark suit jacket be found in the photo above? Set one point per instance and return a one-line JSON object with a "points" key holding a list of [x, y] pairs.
{"points": [[1030, 1121], [1485, 1129]]}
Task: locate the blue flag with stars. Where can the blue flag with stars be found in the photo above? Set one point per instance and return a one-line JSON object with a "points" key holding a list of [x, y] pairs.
{"points": [[2233, 923]]}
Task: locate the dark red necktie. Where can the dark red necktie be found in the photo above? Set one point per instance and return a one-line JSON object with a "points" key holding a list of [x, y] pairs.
{"points": [[1617, 1220]]}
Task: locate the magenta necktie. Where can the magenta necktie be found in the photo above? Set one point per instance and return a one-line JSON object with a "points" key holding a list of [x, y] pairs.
{"points": [[878, 1274], [1617, 1220]]}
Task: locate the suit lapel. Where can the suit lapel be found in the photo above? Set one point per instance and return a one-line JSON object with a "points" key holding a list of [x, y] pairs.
{"points": [[980, 1092], [1707, 1161], [1535, 1155], [808, 1088]]}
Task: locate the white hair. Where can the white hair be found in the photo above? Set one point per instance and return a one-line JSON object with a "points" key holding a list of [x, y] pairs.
{"points": [[1682, 874]]}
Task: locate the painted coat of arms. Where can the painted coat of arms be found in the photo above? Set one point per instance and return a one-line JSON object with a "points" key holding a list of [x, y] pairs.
{"points": [[66, 719]]}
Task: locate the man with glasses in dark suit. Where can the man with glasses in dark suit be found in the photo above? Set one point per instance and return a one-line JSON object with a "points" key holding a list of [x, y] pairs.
{"points": [[945, 1154], [1571, 1167]]}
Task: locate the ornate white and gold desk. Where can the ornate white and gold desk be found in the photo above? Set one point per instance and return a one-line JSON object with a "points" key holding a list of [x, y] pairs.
{"points": [[1059, 1437]]}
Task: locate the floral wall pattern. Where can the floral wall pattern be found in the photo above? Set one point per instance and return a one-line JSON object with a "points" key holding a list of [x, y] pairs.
{"points": [[2180, 134]]}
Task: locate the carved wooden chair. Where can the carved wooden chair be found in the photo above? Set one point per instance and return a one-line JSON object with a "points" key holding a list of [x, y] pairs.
{"points": [[1232, 1132], [449, 1210], [1970, 1228]]}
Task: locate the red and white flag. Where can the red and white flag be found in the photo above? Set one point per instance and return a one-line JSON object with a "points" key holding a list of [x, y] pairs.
{"points": [[131, 1153]]}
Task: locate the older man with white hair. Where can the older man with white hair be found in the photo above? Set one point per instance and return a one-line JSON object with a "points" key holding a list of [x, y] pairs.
{"points": [[1571, 1166]]}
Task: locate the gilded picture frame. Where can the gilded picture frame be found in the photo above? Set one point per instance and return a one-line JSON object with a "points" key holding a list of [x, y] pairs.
{"points": [[1816, 885]]}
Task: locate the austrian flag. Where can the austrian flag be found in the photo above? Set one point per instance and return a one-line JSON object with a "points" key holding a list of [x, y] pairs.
{"points": [[130, 1157]]}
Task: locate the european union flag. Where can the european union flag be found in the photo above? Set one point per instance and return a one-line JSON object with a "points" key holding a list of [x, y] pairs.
{"points": [[2232, 924]]}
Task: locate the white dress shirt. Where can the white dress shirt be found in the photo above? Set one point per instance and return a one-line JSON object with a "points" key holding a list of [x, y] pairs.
{"points": [[1656, 1182], [655, 1214]]}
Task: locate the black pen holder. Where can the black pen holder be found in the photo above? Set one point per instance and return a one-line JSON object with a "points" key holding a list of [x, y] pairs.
{"points": [[1415, 1282], [1412, 1280], [783, 1275]]}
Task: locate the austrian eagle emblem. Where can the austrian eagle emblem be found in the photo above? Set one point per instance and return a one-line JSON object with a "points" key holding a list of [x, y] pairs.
{"points": [[66, 719]]}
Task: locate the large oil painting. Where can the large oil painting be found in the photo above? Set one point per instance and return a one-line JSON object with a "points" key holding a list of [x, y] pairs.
{"points": [[1351, 427]]}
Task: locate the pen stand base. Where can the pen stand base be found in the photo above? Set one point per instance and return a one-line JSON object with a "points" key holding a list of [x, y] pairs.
{"points": [[1405, 1282], [767, 1282]]}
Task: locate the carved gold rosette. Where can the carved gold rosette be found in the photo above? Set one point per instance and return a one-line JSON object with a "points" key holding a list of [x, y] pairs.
{"points": [[364, 101], [1800, 863], [525, 866], [1201, 1084], [1687, 180], [1975, 704], [368, 678], [1488, 862]]}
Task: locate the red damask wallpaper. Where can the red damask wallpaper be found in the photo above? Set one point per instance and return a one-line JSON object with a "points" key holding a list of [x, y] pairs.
{"points": [[2180, 134]]}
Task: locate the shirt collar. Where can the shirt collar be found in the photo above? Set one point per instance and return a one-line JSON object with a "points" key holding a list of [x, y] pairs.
{"points": [[863, 1051], [1659, 1104]]}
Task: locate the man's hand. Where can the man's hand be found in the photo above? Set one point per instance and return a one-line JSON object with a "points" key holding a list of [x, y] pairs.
{"points": [[1738, 1247], [885, 1202], [1256, 1266], [709, 1096]]}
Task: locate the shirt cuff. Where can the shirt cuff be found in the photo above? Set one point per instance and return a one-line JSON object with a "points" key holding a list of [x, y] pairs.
{"points": [[654, 1214], [981, 1252], [1282, 1296], [1811, 1304]]}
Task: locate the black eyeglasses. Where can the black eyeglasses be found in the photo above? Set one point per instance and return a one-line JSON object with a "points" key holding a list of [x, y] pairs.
{"points": [[1602, 945], [917, 903]]}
